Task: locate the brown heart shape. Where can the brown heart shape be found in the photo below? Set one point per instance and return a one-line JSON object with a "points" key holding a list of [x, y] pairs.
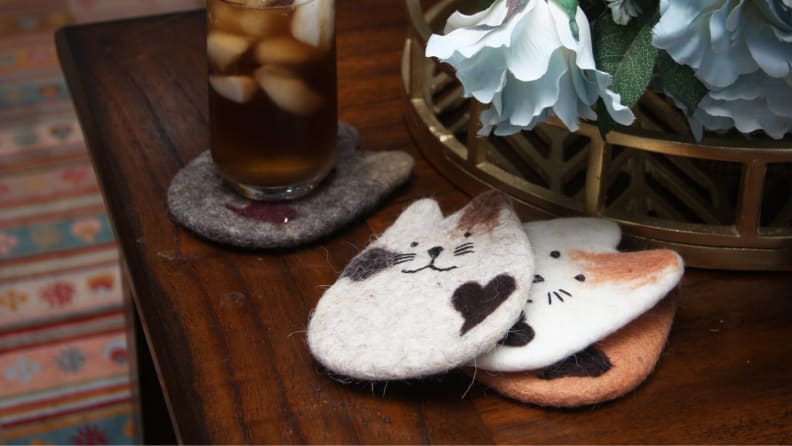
{"points": [[475, 302]]}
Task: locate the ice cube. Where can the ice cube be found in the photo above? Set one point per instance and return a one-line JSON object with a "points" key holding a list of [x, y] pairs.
{"points": [[288, 92], [313, 23], [224, 48], [259, 23], [239, 89], [284, 50], [225, 17]]}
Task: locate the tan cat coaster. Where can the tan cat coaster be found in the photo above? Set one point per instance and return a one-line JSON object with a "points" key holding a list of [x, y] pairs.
{"points": [[583, 290], [427, 296], [605, 371]]}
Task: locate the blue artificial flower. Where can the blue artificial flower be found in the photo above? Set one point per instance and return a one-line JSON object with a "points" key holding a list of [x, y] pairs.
{"points": [[530, 60], [724, 39], [753, 102], [742, 51]]}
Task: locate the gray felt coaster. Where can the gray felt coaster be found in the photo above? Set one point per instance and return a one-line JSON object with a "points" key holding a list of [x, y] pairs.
{"points": [[199, 200]]}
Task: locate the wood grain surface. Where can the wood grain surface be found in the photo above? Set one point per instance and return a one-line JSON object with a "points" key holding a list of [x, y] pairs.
{"points": [[226, 327]]}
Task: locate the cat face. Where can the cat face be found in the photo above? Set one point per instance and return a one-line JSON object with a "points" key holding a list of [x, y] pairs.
{"points": [[559, 276], [429, 294], [422, 242], [583, 289]]}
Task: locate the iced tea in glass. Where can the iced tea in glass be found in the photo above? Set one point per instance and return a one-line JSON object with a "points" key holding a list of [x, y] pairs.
{"points": [[272, 94]]}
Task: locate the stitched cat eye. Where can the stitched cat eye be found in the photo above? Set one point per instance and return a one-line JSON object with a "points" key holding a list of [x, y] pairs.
{"points": [[580, 278], [468, 234], [555, 254], [538, 279], [413, 244]]}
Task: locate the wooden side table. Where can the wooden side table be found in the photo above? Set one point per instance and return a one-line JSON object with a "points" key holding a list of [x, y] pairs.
{"points": [[225, 327]]}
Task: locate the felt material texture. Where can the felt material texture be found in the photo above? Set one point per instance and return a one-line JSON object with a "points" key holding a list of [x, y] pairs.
{"points": [[199, 200], [583, 290], [430, 294], [632, 353]]}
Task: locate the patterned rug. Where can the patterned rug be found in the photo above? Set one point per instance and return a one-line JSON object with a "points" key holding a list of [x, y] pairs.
{"points": [[64, 377]]}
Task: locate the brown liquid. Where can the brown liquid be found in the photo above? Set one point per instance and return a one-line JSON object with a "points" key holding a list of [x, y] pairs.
{"points": [[259, 142]]}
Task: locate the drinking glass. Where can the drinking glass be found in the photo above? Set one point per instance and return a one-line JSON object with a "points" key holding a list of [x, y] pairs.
{"points": [[272, 94]]}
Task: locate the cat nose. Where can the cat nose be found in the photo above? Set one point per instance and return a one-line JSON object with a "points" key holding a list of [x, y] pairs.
{"points": [[434, 252]]}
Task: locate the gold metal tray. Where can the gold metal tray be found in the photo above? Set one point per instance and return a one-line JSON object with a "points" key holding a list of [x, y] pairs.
{"points": [[723, 203]]}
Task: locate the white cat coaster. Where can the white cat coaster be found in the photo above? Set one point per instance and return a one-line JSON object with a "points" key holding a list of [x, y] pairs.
{"points": [[427, 296], [583, 290], [602, 372]]}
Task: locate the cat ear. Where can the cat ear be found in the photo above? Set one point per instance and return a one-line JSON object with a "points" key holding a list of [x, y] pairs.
{"points": [[416, 219], [483, 213], [563, 234], [641, 272]]}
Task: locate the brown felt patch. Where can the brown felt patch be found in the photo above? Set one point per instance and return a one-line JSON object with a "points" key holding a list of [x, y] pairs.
{"points": [[634, 268], [633, 352], [475, 302], [520, 334], [591, 362], [481, 214], [369, 263]]}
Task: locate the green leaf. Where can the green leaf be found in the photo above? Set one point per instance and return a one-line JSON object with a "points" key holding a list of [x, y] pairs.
{"points": [[680, 82], [605, 122], [625, 52], [570, 8]]}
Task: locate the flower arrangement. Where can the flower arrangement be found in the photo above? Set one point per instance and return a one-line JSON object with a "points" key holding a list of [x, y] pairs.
{"points": [[727, 64]]}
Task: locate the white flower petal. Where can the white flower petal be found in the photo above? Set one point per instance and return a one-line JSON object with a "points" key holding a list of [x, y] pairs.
{"points": [[719, 34], [748, 87], [782, 35], [562, 27], [533, 44], [776, 13], [584, 49], [522, 101], [444, 47], [484, 76], [725, 39], [686, 30], [492, 16], [566, 107], [767, 107], [623, 11], [621, 114], [747, 117], [528, 65], [774, 56], [780, 100]]}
